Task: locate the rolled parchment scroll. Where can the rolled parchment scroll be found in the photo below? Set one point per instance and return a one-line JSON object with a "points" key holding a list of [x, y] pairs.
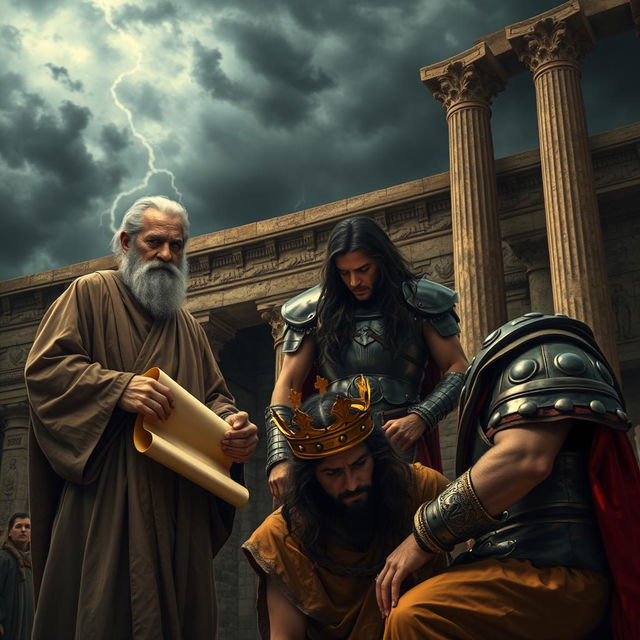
{"points": [[189, 443]]}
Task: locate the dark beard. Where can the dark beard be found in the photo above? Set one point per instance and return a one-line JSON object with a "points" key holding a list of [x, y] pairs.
{"points": [[351, 526], [160, 287]]}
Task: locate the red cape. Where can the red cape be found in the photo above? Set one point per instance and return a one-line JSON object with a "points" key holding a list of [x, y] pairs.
{"points": [[615, 482]]}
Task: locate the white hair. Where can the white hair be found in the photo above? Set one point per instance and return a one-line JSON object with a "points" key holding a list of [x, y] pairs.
{"points": [[132, 221]]}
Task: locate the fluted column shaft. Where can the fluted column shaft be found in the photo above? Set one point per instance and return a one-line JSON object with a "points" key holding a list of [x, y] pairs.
{"points": [[477, 246], [466, 85], [576, 247], [14, 483]]}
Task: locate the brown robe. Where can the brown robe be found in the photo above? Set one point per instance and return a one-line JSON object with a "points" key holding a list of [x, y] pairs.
{"points": [[336, 605], [122, 547]]}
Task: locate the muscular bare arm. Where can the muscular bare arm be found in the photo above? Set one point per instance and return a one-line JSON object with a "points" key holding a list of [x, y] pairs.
{"points": [[446, 352], [520, 460], [295, 369], [285, 621]]}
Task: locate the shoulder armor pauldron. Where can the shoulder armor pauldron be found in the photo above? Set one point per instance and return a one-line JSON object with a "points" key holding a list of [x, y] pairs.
{"points": [[300, 312], [538, 365], [434, 302], [428, 298]]}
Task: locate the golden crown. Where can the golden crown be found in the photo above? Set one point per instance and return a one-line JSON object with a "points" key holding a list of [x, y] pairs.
{"points": [[353, 423]]}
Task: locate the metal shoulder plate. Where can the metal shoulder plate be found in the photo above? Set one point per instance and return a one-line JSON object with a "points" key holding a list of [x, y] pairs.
{"points": [[299, 315], [434, 302], [539, 368], [300, 311]]}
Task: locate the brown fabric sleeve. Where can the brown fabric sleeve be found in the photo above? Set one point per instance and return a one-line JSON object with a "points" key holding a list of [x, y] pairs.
{"points": [[72, 399]]}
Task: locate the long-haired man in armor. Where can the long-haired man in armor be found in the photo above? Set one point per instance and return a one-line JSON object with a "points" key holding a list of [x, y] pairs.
{"points": [[372, 315], [351, 501], [547, 494]]}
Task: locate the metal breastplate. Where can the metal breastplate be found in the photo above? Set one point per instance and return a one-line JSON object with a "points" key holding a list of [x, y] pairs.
{"points": [[553, 525], [395, 376]]}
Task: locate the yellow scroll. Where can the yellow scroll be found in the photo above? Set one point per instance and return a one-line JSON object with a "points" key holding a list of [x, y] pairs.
{"points": [[189, 443]]}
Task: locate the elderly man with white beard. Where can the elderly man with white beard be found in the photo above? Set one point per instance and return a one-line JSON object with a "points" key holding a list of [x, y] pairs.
{"points": [[124, 546]]}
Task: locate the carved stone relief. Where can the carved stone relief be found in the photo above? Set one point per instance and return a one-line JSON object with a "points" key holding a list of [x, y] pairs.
{"points": [[616, 166], [439, 268], [520, 190]]}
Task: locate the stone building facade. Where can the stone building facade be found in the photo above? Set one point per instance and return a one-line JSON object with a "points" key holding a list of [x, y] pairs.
{"points": [[555, 229]]}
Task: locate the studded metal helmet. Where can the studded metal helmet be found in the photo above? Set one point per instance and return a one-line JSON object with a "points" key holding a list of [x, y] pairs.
{"points": [[537, 368]]}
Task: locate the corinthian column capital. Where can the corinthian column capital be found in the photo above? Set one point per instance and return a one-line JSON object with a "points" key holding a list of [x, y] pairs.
{"points": [[473, 76], [560, 35], [273, 318]]}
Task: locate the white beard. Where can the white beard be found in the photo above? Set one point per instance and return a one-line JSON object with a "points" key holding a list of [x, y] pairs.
{"points": [[160, 287]]}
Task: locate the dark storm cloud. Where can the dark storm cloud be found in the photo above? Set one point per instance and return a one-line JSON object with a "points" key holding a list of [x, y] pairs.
{"points": [[59, 178], [113, 139], [154, 14], [143, 99], [275, 57], [37, 7], [207, 72], [293, 104], [610, 86], [285, 93], [61, 75], [10, 37]]}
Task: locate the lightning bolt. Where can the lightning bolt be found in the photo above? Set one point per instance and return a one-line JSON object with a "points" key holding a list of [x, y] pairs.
{"points": [[152, 169]]}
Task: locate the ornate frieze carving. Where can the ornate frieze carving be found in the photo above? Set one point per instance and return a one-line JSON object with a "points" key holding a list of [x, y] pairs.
{"points": [[12, 361], [617, 166], [439, 268], [519, 190]]}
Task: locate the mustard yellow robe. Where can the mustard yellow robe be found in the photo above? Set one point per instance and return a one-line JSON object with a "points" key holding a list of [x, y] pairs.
{"points": [[122, 547], [337, 606], [502, 600]]}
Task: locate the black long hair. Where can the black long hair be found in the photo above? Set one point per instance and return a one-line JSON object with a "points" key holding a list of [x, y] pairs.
{"points": [[335, 309], [306, 504]]}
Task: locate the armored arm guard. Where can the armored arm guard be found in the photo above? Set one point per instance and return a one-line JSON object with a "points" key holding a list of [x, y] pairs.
{"points": [[299, 315], [442, 400], [277, 445], [435, 303], [454, 516]]}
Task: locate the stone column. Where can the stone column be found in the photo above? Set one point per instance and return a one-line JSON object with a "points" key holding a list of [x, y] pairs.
{"points": [[218, 331], [534, 254], [465, 84], [14, 478], [552, 45], [274, 319]]}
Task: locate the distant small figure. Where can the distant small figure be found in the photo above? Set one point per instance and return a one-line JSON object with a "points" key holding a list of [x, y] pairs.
{"points": [[16, 582]]}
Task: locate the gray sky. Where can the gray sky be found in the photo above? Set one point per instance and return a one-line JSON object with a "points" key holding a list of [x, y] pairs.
{"points": [[249, 109]]}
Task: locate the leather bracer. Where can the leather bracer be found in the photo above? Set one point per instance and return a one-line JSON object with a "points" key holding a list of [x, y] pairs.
{"points": [[277, 446], [454, 516], [442, 400]]}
